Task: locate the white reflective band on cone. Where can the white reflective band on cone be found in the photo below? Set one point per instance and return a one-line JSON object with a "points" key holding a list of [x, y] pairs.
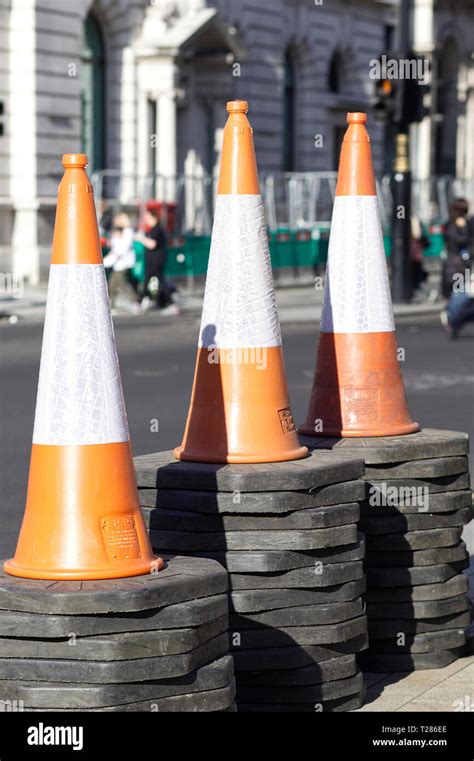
{"points": [[80, 398], [239, 305], [357, 291]]}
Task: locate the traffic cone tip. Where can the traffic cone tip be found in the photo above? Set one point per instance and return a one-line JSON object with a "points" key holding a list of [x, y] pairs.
{"points": [[76, 242], [356, 174], [238, 172], [74, 160], [356, 117], [237, 107]]}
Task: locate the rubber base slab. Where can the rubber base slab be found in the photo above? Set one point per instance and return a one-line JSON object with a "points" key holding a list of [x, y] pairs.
{"points": [[316, 673], [316, 692], [115, 647], [256, 600], [178, 616], [447, 639], [242, 503], [306, 615], [290, 636], [55, 695], [385, 628], [162, 470], [219, 700], [184, 579], [427, 443], [388, 663], [284, 658], [106, 672], [387, 558], [306, 539], [457, 585], [414, 575]]}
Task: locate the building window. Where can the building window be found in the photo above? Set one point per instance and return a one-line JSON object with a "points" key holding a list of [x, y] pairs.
{"points": [[335, 73], [92, 94], [389, 37], [289, 101]]}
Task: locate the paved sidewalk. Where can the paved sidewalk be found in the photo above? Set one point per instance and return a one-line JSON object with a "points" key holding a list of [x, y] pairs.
{"points": [[296, 303], [448, 689]]}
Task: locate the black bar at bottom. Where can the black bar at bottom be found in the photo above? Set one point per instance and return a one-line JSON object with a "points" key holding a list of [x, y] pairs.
{"points": [[152, 735]]}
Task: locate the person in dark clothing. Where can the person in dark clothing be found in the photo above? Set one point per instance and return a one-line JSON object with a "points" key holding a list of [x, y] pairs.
{"points": [[418, 243], [155, 261], [457, 271], [105, 218]]}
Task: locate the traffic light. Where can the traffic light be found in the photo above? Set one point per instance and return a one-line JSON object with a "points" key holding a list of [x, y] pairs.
{"points": [[415, 106], [401, 89], [386, 99]]}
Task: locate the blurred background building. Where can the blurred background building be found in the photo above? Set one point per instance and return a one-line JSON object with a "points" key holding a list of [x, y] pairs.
{"points": [[141, 87]]}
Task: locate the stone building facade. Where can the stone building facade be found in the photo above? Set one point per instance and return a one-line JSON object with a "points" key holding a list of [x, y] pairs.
{"points": [[141, 86]]}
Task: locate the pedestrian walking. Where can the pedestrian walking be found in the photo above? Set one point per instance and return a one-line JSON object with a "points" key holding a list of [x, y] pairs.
{"points": [[120, 260], [156, 287], [457, 272]]}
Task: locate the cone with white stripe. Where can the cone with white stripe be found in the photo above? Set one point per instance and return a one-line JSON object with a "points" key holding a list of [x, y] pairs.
{"points": [[82, 517], [358, 388], [239, 411]]}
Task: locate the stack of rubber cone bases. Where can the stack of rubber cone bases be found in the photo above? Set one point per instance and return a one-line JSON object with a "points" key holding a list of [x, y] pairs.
{"points": [[358, 388], [239, 411], [86, 638], [82, 517], [285, 531], [418, 499], [418, 495], [157, 642], [287, 535]]}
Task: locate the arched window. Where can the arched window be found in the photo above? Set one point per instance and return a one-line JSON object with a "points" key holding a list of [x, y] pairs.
{"points": [[92, 94], [335, 72], [289, 115]]}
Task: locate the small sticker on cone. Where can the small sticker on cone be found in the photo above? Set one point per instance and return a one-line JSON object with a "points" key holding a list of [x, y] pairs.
{"points": [[362, 403], [286, 420], [120, 537]]}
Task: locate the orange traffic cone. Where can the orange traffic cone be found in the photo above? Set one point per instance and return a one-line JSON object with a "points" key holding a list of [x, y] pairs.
{"points": [[82, 517], [358, 389], [239, 411]]}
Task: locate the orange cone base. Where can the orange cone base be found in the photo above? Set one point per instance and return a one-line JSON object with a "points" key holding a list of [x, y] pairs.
{"points": [[93, 574], [82, 519], [335, 433], [240, 412], [294, 454], [358, 389]]}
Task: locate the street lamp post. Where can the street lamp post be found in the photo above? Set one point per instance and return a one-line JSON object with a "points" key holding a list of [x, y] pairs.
{"points": [[401, 225], [401, 177]]}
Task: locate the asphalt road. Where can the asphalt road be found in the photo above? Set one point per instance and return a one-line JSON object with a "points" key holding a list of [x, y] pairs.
{"points": [[157, 361]]}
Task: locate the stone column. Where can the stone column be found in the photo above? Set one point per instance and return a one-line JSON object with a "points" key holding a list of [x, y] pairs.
{"points": [[166, 148], [23, 169]]}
